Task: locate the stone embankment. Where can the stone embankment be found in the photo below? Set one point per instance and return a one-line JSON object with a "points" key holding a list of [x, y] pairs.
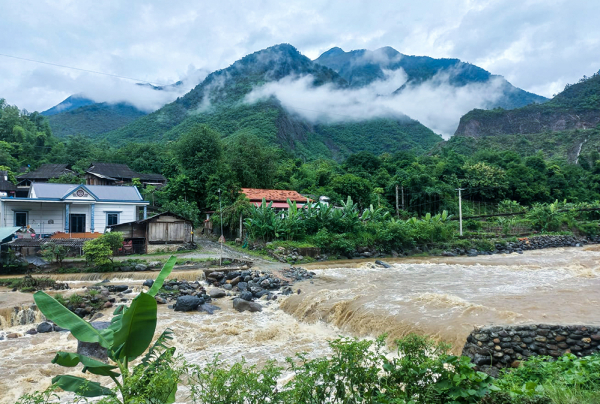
{"points": [[526, 244], [494, 348]]}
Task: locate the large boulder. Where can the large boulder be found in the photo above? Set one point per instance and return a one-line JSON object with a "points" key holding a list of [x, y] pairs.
{"points": [[141, 267], [187, 303], [45, 327], [148, 283], [216, 293], [94, 349], [245, 295], [242, 305]]}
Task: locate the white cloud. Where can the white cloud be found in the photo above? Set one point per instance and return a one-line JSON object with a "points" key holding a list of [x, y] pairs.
{"points": [[538, 45], [435, 103]]}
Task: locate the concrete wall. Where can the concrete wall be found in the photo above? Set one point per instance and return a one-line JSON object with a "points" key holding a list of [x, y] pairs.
{"points": [[152, 248], [504, 346]]}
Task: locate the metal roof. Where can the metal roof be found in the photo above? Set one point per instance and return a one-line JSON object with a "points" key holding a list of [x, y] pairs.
{"points": [[99, 192], [112, 170], [149, 219], [275, 195], [38, 242], [46, 171], [6, 232]]}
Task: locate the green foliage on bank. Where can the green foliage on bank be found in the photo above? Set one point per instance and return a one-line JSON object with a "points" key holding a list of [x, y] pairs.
{"points": [[421, 371]]}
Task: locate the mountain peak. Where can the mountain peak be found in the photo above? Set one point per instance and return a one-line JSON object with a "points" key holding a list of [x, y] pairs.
{"points": [[333, 52]]}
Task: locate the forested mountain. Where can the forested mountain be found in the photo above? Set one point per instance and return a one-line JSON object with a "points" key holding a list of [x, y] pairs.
{"points": [[80, 115], [362, 67], [93, 119], [70, 103], [219, 101], [564, 127]]}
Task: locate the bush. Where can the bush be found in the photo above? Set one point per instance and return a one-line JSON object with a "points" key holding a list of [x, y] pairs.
{"points": [[100, 250], [484, 245], [335, 243]]}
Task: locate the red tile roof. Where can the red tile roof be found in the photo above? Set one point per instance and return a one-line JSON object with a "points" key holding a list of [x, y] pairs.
{"points": [[276, 195]]}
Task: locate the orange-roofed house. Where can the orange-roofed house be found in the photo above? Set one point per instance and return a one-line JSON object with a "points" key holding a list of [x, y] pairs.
{"points": [[277, 196]]}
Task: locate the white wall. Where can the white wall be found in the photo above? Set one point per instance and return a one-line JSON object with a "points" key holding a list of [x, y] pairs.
{"points": [[126, 214], [39, 213]]}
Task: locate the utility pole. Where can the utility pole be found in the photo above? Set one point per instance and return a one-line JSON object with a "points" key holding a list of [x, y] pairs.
{"points": [[221, 239], [460, 209], [397, 208]]}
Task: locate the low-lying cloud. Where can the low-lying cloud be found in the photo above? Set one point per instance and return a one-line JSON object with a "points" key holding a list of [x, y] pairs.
{"points": [[111, 89], [435, 103]]}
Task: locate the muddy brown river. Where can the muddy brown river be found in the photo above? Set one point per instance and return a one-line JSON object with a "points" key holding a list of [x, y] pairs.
{"points": [[441, 297]]}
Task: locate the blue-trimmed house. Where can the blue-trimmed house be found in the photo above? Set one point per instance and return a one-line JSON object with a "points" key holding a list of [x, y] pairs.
{"points": [[71, 208]]}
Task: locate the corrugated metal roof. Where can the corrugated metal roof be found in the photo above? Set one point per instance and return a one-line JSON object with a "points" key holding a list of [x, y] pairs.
{"points": [[6, 232], [102, 192], [38, 242], [46, 171], [276, 195], [113, 170]]}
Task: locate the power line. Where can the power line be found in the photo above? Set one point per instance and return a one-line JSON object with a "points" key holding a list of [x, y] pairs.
{"points": [[82, 70]]}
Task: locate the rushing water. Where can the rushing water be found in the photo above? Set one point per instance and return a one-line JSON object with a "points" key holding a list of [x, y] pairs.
{"points": [[441, 297]]}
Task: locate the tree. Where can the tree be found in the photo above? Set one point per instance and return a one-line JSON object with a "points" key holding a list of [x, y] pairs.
{"points": [[200, 152], [350, 185], [54, 252]]}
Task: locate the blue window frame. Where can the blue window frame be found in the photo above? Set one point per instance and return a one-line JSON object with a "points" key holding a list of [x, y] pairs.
{"points": [[112, 218]]}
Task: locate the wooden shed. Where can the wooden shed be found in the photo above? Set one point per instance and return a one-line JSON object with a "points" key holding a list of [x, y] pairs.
{"points": [[165, 231]]}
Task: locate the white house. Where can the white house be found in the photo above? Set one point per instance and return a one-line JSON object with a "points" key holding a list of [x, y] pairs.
{"points": [[69, 208]]}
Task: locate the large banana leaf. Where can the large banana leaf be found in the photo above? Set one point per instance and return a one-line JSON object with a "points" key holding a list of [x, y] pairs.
{"points": [[94, 366], [81, 386], [137, 328], [63, 317], [164, 272]]}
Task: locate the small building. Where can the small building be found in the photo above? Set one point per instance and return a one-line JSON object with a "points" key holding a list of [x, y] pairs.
{"points": [[7, 188], [119, 174], [76, 210], [165, 231], [43, 173], [277, 196]]}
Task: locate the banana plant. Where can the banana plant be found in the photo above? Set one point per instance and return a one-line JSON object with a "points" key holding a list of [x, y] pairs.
{"points": [[129, 335]]}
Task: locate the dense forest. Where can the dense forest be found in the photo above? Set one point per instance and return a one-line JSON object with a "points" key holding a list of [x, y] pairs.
{"points": [[201, 161]]}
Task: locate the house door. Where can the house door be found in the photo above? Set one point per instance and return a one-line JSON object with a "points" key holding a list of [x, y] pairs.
{"points": [[77, 223]]}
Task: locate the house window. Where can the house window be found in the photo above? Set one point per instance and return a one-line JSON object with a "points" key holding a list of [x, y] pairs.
{"points": [[112, 218], [21, 219]]}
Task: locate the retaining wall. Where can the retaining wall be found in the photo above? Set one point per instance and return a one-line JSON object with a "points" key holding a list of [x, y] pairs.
{"points": [[503, 346]]}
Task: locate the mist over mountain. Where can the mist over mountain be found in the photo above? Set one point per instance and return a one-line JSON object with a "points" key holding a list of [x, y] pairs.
{"points": [[307, 107], [434, 91], [565, 127], [227, 101]]}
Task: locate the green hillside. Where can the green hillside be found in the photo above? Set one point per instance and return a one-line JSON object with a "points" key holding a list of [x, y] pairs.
{"points": [[94, 119], [361, 67], [219, 102], [577, 107]]}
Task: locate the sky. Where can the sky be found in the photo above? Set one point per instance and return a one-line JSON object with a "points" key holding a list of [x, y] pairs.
{"points": [[536, 45]]}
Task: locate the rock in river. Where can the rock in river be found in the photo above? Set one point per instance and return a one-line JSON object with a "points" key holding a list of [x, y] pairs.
{"points": [[187, 303], [216, 293], [244, 305]]}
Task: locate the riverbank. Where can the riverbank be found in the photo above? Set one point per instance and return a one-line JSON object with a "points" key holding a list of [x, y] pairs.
{"points": [[444, 297]]}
